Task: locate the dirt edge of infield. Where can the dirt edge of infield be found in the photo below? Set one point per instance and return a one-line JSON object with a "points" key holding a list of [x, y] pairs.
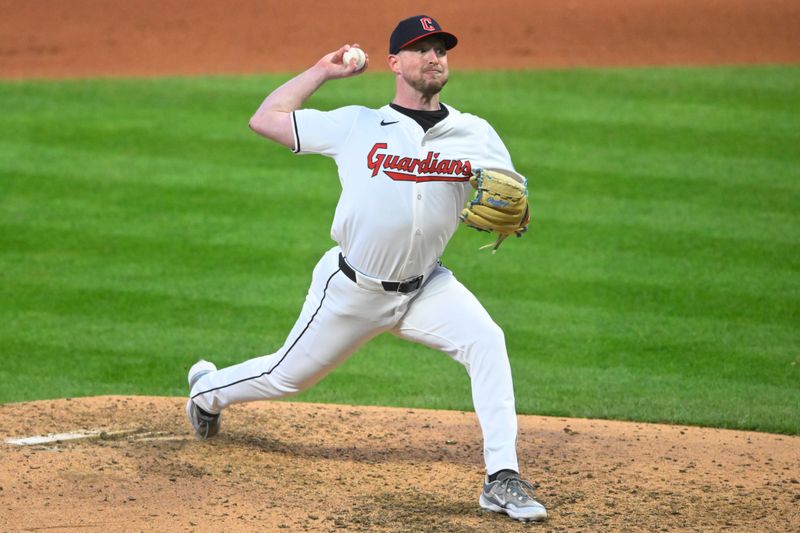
{"points": [[287, 466], [86, 38]]}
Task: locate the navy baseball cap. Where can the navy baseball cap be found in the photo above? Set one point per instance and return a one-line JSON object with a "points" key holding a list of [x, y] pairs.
{"points": [[415, 28]]}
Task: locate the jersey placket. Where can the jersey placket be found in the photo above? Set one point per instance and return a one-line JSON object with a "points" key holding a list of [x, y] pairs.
{"points": [[420, 193], [416, 239]]}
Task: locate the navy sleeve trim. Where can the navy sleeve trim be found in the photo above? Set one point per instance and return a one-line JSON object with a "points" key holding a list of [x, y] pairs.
{"points": [[296, 135]]}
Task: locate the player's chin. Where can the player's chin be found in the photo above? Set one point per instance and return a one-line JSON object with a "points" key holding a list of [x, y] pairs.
{"points": [[433, 85], [438, 85]]}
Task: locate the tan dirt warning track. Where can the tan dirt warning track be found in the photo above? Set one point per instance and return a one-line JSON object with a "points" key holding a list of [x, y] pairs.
{"points": [[301, 467], [280, 466], [56, 38]]}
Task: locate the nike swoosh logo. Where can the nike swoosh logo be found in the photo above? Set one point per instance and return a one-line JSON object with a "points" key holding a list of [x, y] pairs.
{"points": [[384, 123]]}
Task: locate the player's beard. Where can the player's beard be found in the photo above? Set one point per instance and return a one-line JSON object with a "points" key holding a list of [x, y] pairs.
{"points": [[429, 86]]}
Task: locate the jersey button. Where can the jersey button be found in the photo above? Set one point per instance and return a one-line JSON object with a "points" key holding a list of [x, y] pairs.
{"points": [[419, 232], [419, 197]]}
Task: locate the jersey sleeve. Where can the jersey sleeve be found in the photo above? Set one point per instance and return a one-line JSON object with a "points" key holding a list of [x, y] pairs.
{"points": [[497, 154], [322, 132]]}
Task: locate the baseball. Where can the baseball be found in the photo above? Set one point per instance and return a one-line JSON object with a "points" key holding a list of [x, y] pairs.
{"points": [[357, 54]]}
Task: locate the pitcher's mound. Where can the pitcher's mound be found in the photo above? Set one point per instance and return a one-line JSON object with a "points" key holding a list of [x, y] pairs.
{"points": [[132, 464]]}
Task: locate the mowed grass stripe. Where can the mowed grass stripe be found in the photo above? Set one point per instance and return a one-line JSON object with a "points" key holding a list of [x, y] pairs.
{"points": [[111, 370], [195, 338], [247, 295], [590, 284], [691, 400], [654, 262], [697, 247], [606, 295], [649, 135], [128, 250], [173, 168], [638, 256], [608, 306], [618, 112], [744, 197], [638, 92], [559, 324], [677, 215], [741, 170]]}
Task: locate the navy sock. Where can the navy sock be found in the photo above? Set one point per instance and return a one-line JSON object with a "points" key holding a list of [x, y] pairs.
{"points": [[205, 413], [504, 473]]}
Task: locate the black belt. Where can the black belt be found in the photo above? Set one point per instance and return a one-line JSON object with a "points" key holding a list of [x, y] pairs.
{"points": [[389, 286]]}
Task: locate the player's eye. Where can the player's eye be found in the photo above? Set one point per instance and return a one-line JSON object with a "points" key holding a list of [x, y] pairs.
{"points": [[440, 51]]}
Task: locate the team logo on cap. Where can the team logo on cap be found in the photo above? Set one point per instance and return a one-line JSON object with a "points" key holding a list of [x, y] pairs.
{"points": [[427, 24], [431, 168]]}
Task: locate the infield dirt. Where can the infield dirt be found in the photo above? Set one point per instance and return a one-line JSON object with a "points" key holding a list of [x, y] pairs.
{"points": [[53, 38], [303, 467], [280, 466]]}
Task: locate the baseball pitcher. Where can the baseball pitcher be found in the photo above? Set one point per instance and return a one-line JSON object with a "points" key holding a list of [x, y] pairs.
{"points": [[407, 171]]}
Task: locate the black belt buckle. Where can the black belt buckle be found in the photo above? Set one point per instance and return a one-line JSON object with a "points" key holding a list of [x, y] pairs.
{"points": [[390, 286], [404, 287]]}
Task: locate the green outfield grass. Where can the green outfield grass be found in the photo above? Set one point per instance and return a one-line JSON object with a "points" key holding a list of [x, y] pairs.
{"points": [[142, 225]]}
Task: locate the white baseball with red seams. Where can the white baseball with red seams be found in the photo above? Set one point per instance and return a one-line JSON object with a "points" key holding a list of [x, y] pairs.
{"points": [[357, 54], [402, 192]]}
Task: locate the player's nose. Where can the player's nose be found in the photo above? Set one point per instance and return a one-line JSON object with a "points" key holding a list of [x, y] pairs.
{"points": [[431, 56]]}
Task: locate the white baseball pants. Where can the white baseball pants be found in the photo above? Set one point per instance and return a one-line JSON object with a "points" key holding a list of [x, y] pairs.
{"points": [[340, 315]]}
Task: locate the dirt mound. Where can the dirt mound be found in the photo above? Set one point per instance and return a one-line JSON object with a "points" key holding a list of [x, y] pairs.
{"points": [[280, 466], [54, 38]]}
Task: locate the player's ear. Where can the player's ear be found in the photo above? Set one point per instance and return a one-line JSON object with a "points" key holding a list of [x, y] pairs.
{"points": [[394, 63]]}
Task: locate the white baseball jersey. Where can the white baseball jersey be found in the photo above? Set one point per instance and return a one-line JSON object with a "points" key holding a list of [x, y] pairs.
{"points": [[402, 192], [402, 188]]}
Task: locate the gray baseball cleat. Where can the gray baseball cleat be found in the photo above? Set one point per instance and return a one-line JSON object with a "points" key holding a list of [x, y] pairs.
{"points": [[205, 425], [512, 495]]}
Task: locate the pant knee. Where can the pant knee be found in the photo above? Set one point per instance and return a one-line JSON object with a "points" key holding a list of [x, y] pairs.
{"points": [[490, 336], [487, 343]]}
